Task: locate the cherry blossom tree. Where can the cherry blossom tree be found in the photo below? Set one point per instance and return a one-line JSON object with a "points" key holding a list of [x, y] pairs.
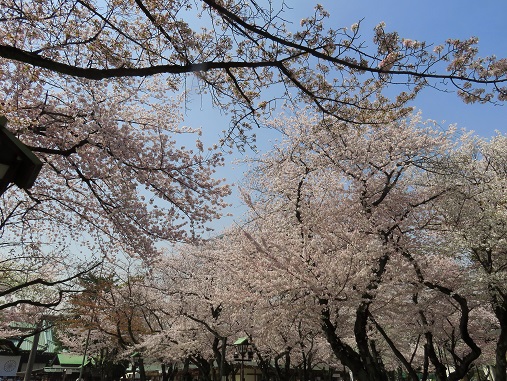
{"points": [[115, 181], [352, 245], [108, 318], [115, 184], [168, 315], [207, 298], [344, 227], [285, 341], [204, 321], [475, 214]]}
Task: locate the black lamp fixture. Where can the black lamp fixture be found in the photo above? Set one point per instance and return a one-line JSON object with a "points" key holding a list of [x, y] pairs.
{"points": [[243, 348], [244, 352], [18, 164]]}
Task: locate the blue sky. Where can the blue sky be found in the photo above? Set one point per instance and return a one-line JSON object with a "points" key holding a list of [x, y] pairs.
{"points": [[431, 21]]}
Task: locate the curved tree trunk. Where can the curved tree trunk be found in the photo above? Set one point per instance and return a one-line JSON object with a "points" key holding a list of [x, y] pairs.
{"points": [[501, 347]]}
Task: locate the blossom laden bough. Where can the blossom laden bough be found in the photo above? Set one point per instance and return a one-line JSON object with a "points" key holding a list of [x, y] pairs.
{"points": [[243, 50]]}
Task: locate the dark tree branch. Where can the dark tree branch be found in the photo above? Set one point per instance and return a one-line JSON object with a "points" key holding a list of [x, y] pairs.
{"points": [[41, 282], [16, 54]]}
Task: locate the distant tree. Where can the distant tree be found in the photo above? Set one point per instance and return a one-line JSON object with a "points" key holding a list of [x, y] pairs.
{"points": [[107, 320], [196, 292]]}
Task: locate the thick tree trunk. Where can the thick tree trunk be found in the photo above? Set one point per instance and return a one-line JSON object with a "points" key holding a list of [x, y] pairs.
{"points": [[164, 372], [371, 361], [186, 373], [168, 371], [283, 373], [305, 368], [499, 302], [264, 365], [204, 368], [501, 352], [346, 354]]}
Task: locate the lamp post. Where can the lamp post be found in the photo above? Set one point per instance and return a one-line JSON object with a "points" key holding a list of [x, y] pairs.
{"points": [[243, 352], [18, 164], [138, 364]]}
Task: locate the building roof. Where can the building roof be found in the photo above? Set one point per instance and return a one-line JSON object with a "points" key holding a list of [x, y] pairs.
{"points": [[241, 341], [67, 359]]}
